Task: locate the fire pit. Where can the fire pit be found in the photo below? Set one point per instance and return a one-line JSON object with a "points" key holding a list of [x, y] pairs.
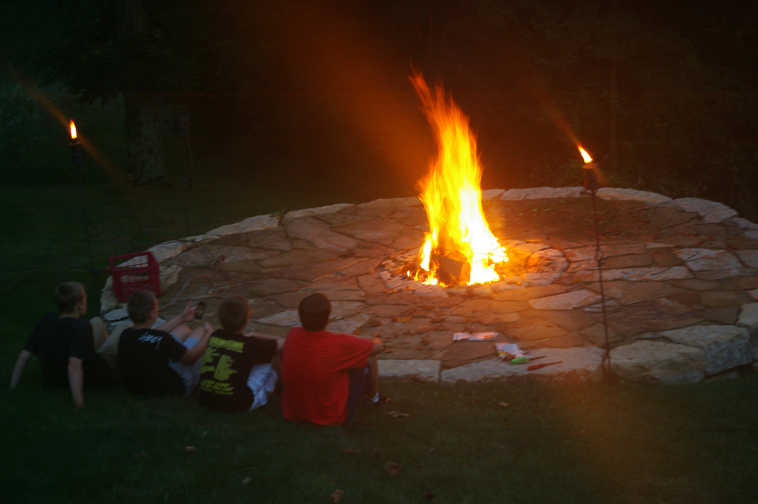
{"points": [[680, 277]]}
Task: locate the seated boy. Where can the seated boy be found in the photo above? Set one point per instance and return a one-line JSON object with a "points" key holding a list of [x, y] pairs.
{"points": [[235, 373], [325, 375], [145, 354], [183, 333], [65, 345]]}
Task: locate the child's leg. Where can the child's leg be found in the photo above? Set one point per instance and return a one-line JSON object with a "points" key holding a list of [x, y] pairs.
{"points": [[276, 363], [372, 384], [359, 379]]}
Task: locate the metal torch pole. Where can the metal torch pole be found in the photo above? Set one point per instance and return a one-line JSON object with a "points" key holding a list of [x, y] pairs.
{"points": [[591, 184], [76, 157]]}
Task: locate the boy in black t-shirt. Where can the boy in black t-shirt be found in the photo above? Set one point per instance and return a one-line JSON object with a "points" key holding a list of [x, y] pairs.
{"points": [[235, 373], [65, 345], [144, 353]]}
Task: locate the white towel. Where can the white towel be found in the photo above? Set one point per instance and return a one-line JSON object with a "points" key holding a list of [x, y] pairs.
{"points": [[261, 381]]}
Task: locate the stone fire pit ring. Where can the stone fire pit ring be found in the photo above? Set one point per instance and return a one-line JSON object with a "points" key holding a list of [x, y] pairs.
{"points": [[680, 279]]}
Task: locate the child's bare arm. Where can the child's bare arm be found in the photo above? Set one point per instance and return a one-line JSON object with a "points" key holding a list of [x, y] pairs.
{"points": [[18, 369], [186, 316], [197, 351], [76, 380]]}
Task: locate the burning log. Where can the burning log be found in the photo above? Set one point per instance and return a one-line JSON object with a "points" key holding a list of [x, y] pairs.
{"points": [[452, 267], [448, 267]]}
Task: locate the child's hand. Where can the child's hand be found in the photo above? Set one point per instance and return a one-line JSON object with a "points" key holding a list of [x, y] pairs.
{"points": [[378, 346], [189, 313]]}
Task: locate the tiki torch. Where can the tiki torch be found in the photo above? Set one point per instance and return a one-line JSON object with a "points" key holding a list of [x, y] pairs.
{"points": [[591, 186], [590, 171], [76, 151], [76, 158]]}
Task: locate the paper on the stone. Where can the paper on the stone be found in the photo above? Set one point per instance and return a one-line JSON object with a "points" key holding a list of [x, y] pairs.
{"points": [[479, 336], [508, 350]]}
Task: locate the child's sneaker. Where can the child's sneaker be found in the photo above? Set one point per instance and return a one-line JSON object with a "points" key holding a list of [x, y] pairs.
{"points": [[379, 399]]}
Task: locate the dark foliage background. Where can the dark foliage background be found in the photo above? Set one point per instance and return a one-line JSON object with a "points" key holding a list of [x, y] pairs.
{"points": [[316, 94]]}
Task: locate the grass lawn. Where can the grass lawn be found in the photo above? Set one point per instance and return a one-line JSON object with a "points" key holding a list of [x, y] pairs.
{"points": [[490, 442]]}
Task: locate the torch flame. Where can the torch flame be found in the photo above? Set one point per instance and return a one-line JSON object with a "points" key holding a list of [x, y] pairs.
{"points": [[452, 196], [72, 129], [585, 155]]}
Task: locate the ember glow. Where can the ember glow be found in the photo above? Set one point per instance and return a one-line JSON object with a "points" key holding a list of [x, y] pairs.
{"points": [[585, 155], [452, 197], [72, 129]]}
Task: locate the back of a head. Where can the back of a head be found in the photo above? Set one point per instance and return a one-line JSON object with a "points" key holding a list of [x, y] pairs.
{"points": [[314, 312], [68, 295], [140, 306], [233, 314]]}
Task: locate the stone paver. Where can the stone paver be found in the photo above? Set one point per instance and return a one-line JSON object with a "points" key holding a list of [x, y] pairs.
{"points": [[167, 250], [310, 212], [725, 347], [427, 370], [658, 361], [216, 254], [541, 193], [749, 315], [348, 325], [319, 233], [711, 211], [287, 318], [749, 257], [584, 359], [619, 193], [680, 279], [257, 223], [567, 301], [699, 259]]}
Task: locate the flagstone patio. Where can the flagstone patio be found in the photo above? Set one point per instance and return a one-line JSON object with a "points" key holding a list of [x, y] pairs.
{"points": [[680, 279]]}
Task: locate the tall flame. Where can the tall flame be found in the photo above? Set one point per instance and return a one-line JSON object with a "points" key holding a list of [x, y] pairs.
{"points": [[451, 193], [72, 129]]}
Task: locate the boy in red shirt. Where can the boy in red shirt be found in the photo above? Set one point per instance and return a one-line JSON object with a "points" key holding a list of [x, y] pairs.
{"points": [[324, 374]]}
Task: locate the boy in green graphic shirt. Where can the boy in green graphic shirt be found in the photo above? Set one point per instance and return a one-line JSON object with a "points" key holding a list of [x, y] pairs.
{"points": [[235, 371]]}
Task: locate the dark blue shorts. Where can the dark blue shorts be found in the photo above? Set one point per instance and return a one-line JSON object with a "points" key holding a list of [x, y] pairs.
{"points": [[358, 382]]}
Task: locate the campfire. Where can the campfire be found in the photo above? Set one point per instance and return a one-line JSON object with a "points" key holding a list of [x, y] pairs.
{"points": [[459, 247]]}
